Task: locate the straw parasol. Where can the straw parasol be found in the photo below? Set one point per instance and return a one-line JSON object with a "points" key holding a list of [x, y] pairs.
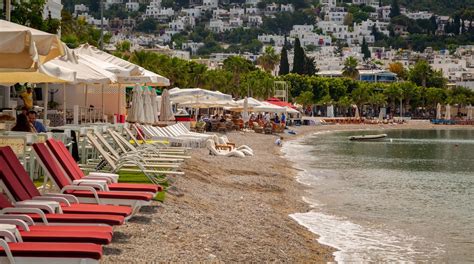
{"points": [[447, 116], [438, 111]]}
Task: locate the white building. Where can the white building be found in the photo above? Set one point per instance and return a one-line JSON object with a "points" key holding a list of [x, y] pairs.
{"points": [[236, 12], [329, 3], [252, 2], [419, 15], [216, 25], [374, 3], [192, 12], [132, 5], [336, 15], [80, 9], [109, 3], [210, 4], [220, 13], [287, 8], [53, 8], [254, 21], [276, 40], [192, 46], [251, 11]]}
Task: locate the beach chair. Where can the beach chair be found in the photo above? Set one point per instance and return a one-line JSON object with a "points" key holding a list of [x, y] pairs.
{"points": [[86, 193], [163, 147], [15, 181], [129, 159], [211, 146], [117, 165], [16, 252], [224, 141], [75, 173], [153, 133], [257, 128], [148, 152]]}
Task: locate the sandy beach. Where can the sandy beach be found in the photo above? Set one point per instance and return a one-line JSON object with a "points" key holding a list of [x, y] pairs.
{"points": [[231, 210]]}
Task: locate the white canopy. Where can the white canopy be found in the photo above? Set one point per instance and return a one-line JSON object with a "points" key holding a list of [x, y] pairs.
{"points": [[85, 73], [127, 72], [197, 97], [252, 102], [268, 107], [47, 45], [290, 110]]}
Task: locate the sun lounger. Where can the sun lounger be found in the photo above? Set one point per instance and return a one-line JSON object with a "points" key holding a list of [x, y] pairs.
{"points": [[155, 144], [71, 169], [22, 188], [87, 194], [222, 152], [223, 140], [48, 253], [52, 234]]}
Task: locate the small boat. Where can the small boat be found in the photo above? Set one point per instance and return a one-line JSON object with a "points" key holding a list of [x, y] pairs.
{"points": [[368, 137]]}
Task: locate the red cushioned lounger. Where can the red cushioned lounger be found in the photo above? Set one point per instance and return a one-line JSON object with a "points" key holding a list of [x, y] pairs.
{"points": [[87, 194], [47, 253], [67, 162], [22, 188], [39, 216]]}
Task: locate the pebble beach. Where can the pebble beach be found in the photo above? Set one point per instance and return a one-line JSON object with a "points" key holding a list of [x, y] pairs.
{"points": [[230, 209]]}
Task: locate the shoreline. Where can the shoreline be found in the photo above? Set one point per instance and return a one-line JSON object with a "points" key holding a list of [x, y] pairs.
{"points": [[232, 210]]}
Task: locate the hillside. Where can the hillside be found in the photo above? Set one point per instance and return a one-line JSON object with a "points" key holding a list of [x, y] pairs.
{"points": [[440, 7]]}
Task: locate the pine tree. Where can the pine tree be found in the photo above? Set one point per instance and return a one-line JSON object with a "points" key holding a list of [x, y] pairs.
{"points": [[365, 49], [298, 58], [284, 65], [394, 9], [456, 24]]}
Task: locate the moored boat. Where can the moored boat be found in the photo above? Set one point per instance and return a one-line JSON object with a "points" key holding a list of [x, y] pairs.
{"points": [[368, 137]]}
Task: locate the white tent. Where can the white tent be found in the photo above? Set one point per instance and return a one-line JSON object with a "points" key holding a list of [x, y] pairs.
{"points": [[290, 110]]}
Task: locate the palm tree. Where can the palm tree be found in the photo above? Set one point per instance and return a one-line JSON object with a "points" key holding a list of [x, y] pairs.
{"points": [[269, 59], [350, 68]]}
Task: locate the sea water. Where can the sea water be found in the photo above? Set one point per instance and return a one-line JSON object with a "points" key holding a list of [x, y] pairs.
{"points": [[406, 198]]}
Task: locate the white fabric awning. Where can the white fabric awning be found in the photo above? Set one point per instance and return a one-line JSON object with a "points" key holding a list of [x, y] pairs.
{"points": [[268, 107], [199, 96]]}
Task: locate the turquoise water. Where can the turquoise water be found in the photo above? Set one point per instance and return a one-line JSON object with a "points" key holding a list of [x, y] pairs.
{"points": [[409, 197]]}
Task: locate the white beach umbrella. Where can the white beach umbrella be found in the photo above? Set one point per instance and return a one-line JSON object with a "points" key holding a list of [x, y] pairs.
{"points": [[438, 111], [382, 113], [447, 115], [357, 115], [166, 113], [148, 106], [136, 114], [330, 111], [469, 112], [154, 102], [245, 113]]}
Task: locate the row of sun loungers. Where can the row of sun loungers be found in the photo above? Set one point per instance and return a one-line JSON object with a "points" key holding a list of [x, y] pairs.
{"points": [[71, 225]]}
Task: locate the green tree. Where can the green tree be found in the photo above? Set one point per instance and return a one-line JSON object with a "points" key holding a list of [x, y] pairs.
{"points": [[305, 99], [218, 80], [268, 59], [148, 26], [350, 68], [284, 65], [344, 103], [422, 74], [365, 49], [237, 66], [394, 9], [259, 83], [309, 66], [30, 13], [299, 58]]}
